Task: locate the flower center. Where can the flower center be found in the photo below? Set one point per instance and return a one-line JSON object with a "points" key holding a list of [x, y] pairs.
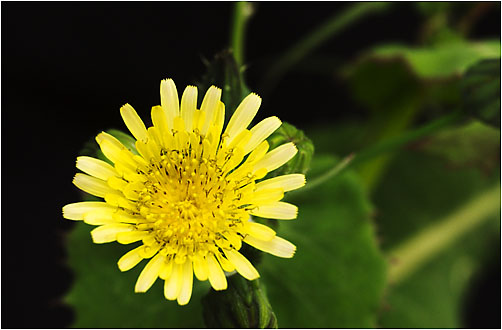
{"points": [[189, 204]]}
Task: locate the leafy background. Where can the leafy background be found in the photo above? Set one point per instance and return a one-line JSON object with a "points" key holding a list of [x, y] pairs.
{"points": [[406, 235]]}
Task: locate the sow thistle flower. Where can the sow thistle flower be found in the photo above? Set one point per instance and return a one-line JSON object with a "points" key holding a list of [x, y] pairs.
{"points": [[188, 191]]}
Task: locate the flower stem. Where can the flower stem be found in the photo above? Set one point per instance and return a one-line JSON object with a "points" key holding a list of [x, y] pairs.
{"points": [[242, 12], [378, 149], [427, 244], [392, 144], [327, 175]]}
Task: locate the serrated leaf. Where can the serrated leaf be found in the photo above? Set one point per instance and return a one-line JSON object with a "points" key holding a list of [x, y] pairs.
{"points": [[469, 145], [338, 264], [103, 297]]}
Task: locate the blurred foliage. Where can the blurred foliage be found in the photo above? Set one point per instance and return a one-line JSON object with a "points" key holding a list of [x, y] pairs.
{"points": [[481, 91], [440, 61], [470, 145], [428, 191]]}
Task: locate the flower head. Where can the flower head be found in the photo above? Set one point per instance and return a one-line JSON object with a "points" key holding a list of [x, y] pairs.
{"points": [[187, 191]]}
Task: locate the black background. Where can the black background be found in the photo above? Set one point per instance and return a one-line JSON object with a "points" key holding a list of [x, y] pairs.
{"points": [[68, 67]]}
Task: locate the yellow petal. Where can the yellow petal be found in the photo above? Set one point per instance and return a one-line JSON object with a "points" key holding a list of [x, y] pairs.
{"points": [[186, 283], [117, 200], [116, 183], [96, 167], [76, 211], [209, 106], [149, 251], [261, 131], [200, 268], [242, 265], [169, 100], [131, 236], [259, 231], [277, 246], [277, 157], [243, 115], [159, 121], [110, 146], [276, 210], [188, 106], [130, 259], [266, 196], [92, 185], [149, 274], [219, 120], [216, 276], [287, 182], [133, 122], [172, 286], [225, 264], [108, 233], [166, 269], [100, 216]]}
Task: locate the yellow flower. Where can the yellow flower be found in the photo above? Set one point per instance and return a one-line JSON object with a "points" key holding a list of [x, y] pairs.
{"points": [[187, 191]]}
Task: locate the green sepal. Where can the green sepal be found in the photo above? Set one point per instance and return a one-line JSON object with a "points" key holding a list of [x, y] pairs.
{"points": [[243, 304], [224, 72], [301, 161]]}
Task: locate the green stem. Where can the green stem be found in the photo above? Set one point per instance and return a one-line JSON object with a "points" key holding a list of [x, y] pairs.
{"points": [[410, 136], [377, 150], [242, 12], [326, 176], [331, 27], [424, 246]]}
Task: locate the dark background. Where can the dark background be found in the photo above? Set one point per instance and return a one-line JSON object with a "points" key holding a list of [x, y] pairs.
{"points": [[68, 67]]}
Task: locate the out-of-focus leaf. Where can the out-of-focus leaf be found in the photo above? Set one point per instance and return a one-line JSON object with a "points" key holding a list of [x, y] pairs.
{"points": [[103, 297], [224, 72], [472, 144], [393, 96], [418, 191], [481, 91], [337, 275], [301, 161], [440, 61], [433, 8]]}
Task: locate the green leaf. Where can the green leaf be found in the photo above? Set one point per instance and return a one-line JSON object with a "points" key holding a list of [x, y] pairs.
{"points": [[418, 192], [103, 297], [481, 91], [338, 264], [440, 61], [472, 144]]}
